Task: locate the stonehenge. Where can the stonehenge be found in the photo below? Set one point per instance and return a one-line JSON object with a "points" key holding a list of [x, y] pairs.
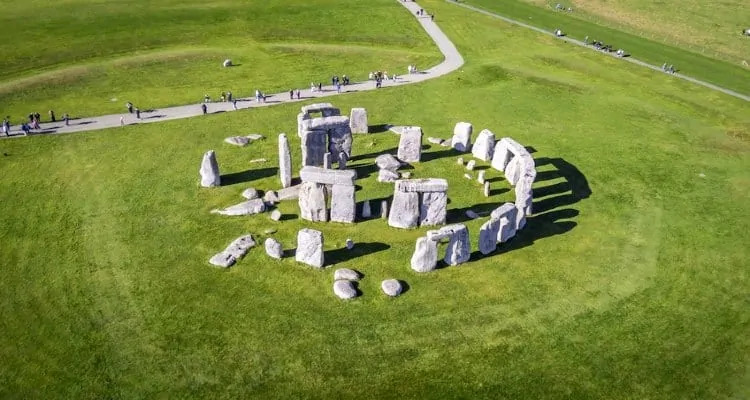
{"points": [[418, 202], [410, 144], [209, 170], [314, 193], [458, 250], [344, 289], [330, 133], [346, 274], [310, 248]]}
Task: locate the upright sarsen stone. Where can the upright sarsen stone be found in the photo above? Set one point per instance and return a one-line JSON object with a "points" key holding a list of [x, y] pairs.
{"points": [[209, 171], [484, 146], [459, 246], [314, 145], [343, 204], [488, 236], [508, 216], [310, 248], [285, 162], [424, 258], [432, 210], [312, 202], [404, 211], [461, 139], [410, 144], [358, 120], [340, 141]]}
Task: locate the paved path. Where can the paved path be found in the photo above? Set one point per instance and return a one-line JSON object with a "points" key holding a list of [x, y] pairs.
{"points": [[453, 60], [628, 59]]}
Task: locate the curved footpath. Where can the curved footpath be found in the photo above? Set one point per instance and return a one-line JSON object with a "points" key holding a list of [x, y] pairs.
{"points": [[580, 43], [453, 61]]}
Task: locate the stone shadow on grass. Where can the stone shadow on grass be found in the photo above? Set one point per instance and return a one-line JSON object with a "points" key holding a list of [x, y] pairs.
{"points": [[247, 176], [380, 128], [575, 183], [360, 249]]}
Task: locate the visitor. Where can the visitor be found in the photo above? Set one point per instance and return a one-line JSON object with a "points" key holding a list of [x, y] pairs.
{"points": [[299, 96], [51, 116], [234, 104], [338, 87], [129, 106], [206, 99], [223, 97], [66, 118], [137, 113], [122, 121], [291, 94], [312, 87], [229, 97], [35, 123], [204, 108], [432, 17], [25, 128], [320, 86], [371, 76]]}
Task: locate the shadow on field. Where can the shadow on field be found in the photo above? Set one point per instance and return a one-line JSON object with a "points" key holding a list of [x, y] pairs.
{"points": [[574, 189], [360, 249], [247, 176], [378, 128]]}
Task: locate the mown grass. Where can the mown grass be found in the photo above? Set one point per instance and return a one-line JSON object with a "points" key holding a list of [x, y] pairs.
{"points": [[88, 58], [732, 75], [630, 283]]}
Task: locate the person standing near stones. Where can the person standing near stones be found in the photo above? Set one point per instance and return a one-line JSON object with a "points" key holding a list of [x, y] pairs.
{"points": [[137, 113], [229, 97], [129, 106], [204, 108]]}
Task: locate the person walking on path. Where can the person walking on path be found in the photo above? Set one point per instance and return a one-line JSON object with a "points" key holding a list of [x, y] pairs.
{"points": [[51, 116], [229, 97], [298, 94], [122, 121], [234, 104], [129, 106], [291, 94], [432, 17], [66, 118], [137, 113], [204, 108]]}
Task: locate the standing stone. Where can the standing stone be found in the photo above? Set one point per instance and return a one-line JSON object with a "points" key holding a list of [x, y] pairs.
{"points": [[487, 189], [343, 158], [343, 204], [470, 165], [312, 202], [384, 209], [313, 147], [461, 139], [488, 236], [340, 141], [508, 215], [501, 156], [432, 211], [285, 161], [366, 211], [391, 287], [524, 197], [404, 210], [210, 170], [484, 146], [520, 219], [410, 144], [425, 254], [358, 120], [349, 244], [459, 247], [387, 161], [276, 215], [327, 160], [460, 161], [273, 248], [310, 247], [480, 177]]}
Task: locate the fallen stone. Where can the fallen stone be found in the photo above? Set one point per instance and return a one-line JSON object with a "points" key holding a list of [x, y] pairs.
{"points": [[250, 207], [470, 165], [275, 215], [349, 244], [346, 274], [366, 211], [250, 193], [310, 247], [270, 197], [222, 260], [270, 231], [258, 160], [468, 176], [273, 248], [387, 176], [388, 162], [434, 140], [344, 290], [424, 258], [391, 287], [285, 161], [254, 136], [461, 139], [209, 170], [484, 147], [237, 140], [235, 251], [358, 120], [227, 63], [288, 193]]}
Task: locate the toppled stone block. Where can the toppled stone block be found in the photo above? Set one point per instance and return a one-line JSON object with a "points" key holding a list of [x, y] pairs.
{"points": [[273, 248], [250, 207], [387, 161], [235, 251], [422, 185], [344, 290], [250, 193], [346, 274], [391, 287]]}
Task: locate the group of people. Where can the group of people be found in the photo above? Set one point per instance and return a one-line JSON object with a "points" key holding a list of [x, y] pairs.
{"points": [[420, 13], [132, 110], [668, 68], [560, 7], [32, 123]]}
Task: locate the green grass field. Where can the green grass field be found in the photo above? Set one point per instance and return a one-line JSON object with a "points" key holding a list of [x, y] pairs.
{"points": [[646, 47], [630, 282]]}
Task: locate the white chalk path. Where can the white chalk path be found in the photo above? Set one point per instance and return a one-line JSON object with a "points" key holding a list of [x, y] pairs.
{"points": [[453, 60], [580, 43]]}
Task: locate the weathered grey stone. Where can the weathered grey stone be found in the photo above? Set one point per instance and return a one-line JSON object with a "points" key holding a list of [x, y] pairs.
{"points": [[446, 143], [384, 209], [480, 177], [310, 247], [391, 287], [343, 204], [387, 176], [235, 251], [227, 63], [312, 202], [406, 175], [468, 176], [471, 214], [404, 210], [344, 290], [270, 231], [343, 158], [366, 211], [250, 193], [314, 145], [432, 210], [275, 215], [470, 165], [273, 248], [508, 216], [387, 161], [237, 140], [258, 160], [425, 254], [439, 236], [346, 274], [358, 120], [459, 246], [270, 197], [285, 161], [328, 176], [422, 185], [435, 140], [254, 136], [486, 190], [250, 207], [461, 139], [349, 244], [288, 193], [327, 160], [515, 168], [484, 146], [340, 141], [520, 219], [410, 145], [488, 236], [327, 109], [460, 161], [524, 196], [505, 150], [209, 171]]}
